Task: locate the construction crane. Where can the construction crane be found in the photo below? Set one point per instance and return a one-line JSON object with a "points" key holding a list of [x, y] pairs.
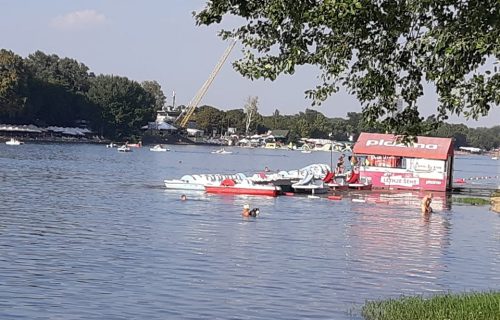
{"points": [[185, 115]]}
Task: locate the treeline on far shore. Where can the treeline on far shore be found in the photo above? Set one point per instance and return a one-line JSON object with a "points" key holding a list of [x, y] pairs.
{"points": [[46, 90], [313, 124]]}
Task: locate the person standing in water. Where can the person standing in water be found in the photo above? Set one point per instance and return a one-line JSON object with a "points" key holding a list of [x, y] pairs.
{"points": [[426, 204]]}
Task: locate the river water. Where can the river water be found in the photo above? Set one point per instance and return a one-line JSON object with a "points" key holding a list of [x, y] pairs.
{"points": [[90, 233]]}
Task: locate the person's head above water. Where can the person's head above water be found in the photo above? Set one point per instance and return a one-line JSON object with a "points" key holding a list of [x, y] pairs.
{"points": [[246, 206]]}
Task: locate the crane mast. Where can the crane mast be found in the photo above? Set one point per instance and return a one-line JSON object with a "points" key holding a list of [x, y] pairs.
{"points": [[203, 90]]}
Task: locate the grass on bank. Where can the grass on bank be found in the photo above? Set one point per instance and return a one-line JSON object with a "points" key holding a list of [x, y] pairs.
{"points": [[472, 201], [465, 306]]}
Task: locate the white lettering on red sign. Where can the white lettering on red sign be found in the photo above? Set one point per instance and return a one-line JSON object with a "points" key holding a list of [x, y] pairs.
{"points": [[399, 181], [383, 142], [433, 182]]}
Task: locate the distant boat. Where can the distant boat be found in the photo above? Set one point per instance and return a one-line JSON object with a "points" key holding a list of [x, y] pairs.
{"points": [[134, 145], [14, 142], [159, 148], [111, 145], [124, 148], [494, 158], [221, 151]]}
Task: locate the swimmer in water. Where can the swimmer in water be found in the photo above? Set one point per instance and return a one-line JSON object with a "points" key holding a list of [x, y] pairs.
{"points": [[183, 197], [246, 210], [250, 213]]}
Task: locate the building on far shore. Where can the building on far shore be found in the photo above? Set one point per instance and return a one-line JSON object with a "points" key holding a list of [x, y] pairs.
{"points": [[51, 133]]}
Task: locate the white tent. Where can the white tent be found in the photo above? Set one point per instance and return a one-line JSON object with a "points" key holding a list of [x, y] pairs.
{"points": [[166, 126], [159, 126]]}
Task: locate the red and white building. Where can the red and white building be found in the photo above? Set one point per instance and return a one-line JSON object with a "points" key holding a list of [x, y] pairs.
{"points": [[386, 163]]}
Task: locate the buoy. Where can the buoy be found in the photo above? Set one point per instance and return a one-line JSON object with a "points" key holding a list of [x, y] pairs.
{"points": [[335, 197]]}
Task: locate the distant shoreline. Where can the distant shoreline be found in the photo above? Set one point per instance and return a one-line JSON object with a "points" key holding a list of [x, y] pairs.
{"points": [[83, 140]]}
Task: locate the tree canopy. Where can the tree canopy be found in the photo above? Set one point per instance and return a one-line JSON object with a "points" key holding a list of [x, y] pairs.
{"points": [[123, 104], [382, 51]]}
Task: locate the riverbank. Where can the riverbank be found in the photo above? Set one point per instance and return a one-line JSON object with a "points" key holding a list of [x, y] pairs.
{"points": [[495, 202], [173, 139], [470, 306]]}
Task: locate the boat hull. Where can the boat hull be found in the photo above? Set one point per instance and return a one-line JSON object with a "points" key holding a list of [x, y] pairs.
{"points": [[157, 150], [181, 185], [13, 142], [359, 186], [271, 192], [339, 187], [310, 189]]}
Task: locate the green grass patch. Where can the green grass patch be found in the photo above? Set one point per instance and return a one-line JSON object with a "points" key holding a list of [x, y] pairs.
{"points": [[465, 306], [472, 201]]}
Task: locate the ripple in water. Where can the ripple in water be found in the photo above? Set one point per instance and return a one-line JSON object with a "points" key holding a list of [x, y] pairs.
{"points": [[88, 233]]}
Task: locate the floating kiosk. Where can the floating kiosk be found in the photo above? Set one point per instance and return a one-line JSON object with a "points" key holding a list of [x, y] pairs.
{"points": [[386, 163]]}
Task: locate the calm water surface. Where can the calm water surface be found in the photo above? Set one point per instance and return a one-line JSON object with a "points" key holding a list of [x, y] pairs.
{"points": [[90, 233]]}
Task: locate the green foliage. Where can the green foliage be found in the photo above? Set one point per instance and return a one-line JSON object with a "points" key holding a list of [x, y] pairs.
{"points": [[470, 306], [381, 51], [471, 201], [47, 90], [209, 119], [57, 89], [154, 88], [484, 138], [13, 85], [67, 73], [123, 104], [235, 119]]}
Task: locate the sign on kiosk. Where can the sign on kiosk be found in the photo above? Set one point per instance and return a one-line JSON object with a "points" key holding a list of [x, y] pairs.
{"points": [[425, 164], [382, 142]]}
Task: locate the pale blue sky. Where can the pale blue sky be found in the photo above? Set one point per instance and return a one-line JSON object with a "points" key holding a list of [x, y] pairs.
{"points": [[158, 40]]}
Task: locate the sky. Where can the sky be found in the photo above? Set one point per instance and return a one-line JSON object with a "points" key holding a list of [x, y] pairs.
{"points": [[158, 40]]}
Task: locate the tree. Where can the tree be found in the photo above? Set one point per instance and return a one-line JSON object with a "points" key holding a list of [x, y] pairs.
{"points": [[251, 109], [66, 72], [235, 118], [209, 118], [303, 128], [124, 105], [154, 88], [58, 90], [381, 51], [13, 84]]}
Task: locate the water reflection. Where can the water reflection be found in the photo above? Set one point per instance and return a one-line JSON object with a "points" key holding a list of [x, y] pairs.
{"points": [[441, 201], [389, 235]]}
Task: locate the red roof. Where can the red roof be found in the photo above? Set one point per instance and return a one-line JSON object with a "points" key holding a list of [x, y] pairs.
{"points": [[386, 144]]}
